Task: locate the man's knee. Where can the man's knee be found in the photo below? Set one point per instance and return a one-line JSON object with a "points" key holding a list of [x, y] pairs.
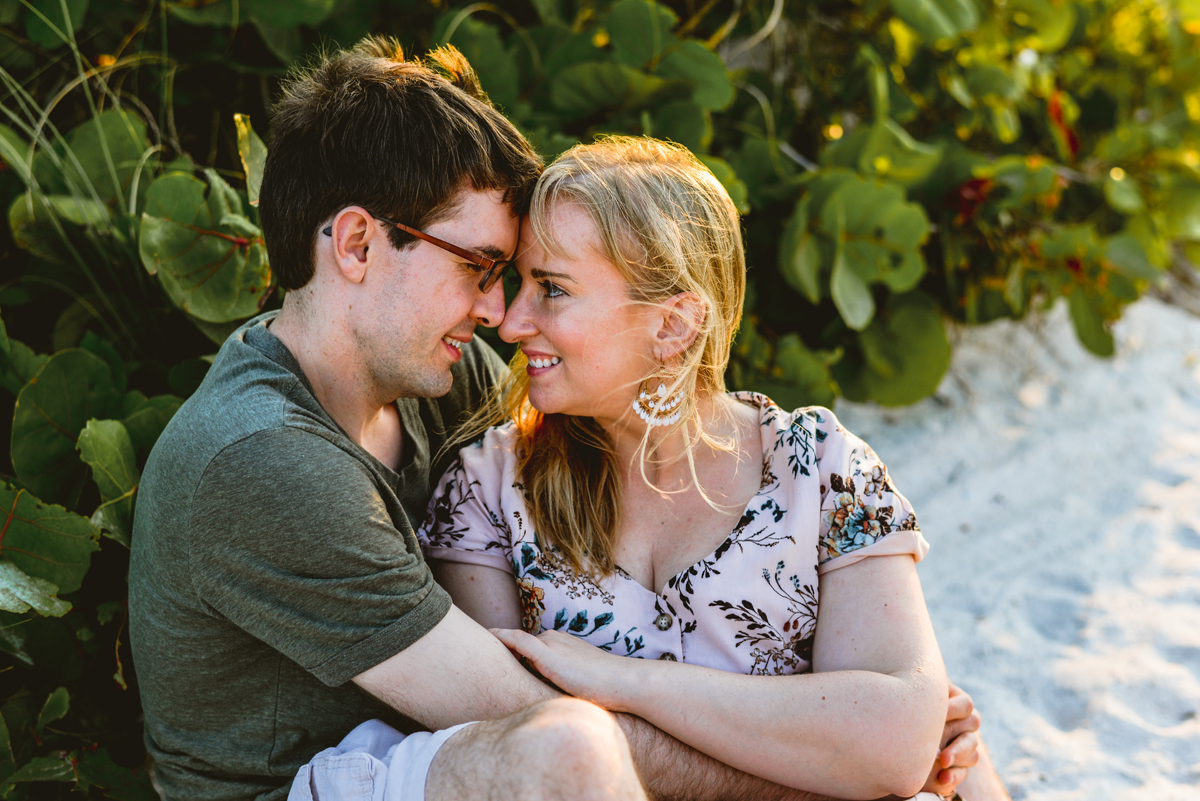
{"points": [[580, 747]]}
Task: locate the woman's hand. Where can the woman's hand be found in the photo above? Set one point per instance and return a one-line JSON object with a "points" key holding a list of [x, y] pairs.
{"points": [[960, 745], [574, 665]]}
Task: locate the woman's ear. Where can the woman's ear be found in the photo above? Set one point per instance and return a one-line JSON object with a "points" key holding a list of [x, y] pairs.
{"points": [[682, 318], [353, 230]]}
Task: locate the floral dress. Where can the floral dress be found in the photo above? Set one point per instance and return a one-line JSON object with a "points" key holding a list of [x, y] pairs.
{"points": [[749, 606]]}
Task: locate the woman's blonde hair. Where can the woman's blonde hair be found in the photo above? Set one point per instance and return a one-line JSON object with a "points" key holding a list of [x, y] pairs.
{"points": [[669, 226]]}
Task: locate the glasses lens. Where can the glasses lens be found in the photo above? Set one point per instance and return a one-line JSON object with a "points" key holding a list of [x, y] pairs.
{"points": [[493, 275]]}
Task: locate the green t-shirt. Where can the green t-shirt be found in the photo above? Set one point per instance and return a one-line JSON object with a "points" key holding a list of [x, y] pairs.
{"points": [[274, 560]]}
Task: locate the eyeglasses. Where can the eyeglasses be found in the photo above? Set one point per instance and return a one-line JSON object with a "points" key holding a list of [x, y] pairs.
{"points": [[493, 269]]}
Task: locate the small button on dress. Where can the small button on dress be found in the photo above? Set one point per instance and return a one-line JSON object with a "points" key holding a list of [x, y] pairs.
{"points": [[668, 657], [663, 621]]}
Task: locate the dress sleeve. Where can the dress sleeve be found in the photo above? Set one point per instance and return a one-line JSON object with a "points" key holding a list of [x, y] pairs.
{"points": [[466, 520], [862, 512]]}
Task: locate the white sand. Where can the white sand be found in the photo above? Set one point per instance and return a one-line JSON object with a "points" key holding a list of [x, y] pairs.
{"points": [[1061, 494]]}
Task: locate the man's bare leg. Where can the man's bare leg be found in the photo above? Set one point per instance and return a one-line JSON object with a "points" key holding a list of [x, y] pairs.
{"points": [[561, 749]]}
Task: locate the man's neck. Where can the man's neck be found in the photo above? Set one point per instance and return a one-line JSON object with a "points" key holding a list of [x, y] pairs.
{"points": [[340, 382]]}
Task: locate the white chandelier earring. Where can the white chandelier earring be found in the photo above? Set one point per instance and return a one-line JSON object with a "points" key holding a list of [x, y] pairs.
{"points": [[657, 407]]}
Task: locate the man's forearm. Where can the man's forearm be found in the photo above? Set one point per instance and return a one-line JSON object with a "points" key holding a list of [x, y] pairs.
{"points": [[672, 771]]}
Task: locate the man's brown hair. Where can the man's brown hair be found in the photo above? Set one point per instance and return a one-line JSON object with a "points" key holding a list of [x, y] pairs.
{"points": [[366, 127]]}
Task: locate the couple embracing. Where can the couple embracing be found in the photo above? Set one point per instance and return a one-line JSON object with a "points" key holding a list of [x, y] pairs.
{"points": [[372, 562]]}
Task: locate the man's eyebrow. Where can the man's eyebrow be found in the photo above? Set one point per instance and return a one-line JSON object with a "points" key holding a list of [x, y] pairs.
{"points": [[538, 273], [491, 251]]}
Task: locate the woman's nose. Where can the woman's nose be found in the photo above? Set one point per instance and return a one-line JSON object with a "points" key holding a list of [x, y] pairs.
{"points": [[517, 323]]}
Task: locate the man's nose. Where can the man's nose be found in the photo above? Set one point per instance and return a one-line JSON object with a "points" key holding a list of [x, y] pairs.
{"points": [[489, 307]]}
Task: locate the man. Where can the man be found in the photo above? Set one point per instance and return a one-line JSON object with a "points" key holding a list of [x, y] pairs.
{"points": [[278, 597]]}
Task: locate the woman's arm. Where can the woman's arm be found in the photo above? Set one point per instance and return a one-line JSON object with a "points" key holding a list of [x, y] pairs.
{"points": [[866, 724], [488, 595]]}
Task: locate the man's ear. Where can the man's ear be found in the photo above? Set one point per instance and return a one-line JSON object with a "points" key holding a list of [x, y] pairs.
{"points": [[682, 318], [354, 230]]}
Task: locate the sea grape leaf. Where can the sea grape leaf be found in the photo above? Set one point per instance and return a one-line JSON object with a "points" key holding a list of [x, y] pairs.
{"points": [[97, 768], [4, 346], [684, 122], [937, 19], [1089, 323], [145, 418], [906, 351], [43, 14], [19, 593], [216, 13], [106, 447], [286, 44], [94, 344], [1183, 212], [211, 260], [1126, 254], [704, 70], [640, 31], [32, 219], [19, 365], [800, 255], [46, 541], [8, 764], [124, 136], [484, 48], [51, 410], [594, 86], [55, 708], [1053, 22], [799, 377], [725, 173], [44, 769], [1124, 195], [290, 14], [850, 293], [253, 154]]}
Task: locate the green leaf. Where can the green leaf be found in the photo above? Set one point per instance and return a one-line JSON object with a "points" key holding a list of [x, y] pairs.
{"points": [[19, 593], [105, 446], [32, 219], [219, 13], [94, 344], [253, 154], [850, 293], [145, 418], [1089, 324], [890, 152], [18, 366], [495, 65], [683, 122], [51, 410], [55, 708], [46, 541], [8, 764], [86, 168], [1183, 212], [1124, 195], [1053, 22], [800, 255], [44, 769], [291, 13], [596, 86], [640, 31], [704, 70], [44, 22], [9, 11], [907, 351], [729, 179], [192, 238], [1125, 253], [4, 346], [286, 44], [97, 768], [937, 19], [991, 80]]}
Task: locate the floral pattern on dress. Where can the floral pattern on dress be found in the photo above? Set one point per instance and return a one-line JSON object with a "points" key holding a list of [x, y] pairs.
{"points": [[748, 606]]}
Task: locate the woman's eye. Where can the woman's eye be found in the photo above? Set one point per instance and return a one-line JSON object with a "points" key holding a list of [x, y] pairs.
{"points": [[551, 289]]}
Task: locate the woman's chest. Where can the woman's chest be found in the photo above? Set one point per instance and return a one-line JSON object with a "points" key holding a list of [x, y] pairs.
{"points": [[748, 606]]}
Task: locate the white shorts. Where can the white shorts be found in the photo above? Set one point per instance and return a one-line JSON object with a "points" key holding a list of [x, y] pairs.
{"points": [[373, 763]]}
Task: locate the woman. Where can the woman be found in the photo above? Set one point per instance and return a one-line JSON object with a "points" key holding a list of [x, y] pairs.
{"points": [[631, 507]]}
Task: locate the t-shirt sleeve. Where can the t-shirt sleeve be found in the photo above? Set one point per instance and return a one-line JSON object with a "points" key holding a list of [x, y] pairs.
{"points": [[301, 551], [466, 521], [862, 512]]}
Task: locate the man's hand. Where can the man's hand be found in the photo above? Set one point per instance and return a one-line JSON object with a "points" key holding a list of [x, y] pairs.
{"points": [[960, 745]]}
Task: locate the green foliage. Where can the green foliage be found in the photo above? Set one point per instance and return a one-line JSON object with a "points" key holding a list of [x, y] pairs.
{"points": [[899, 165]]}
